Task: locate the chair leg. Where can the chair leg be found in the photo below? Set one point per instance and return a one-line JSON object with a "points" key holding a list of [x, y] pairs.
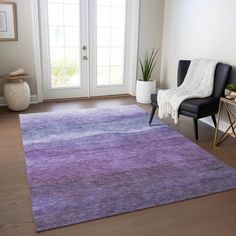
{"points": [[214, 119], [195, 123], [152, 114]]}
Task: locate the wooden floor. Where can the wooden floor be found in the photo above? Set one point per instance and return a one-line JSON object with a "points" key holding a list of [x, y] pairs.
{"points": [[211, 215]]}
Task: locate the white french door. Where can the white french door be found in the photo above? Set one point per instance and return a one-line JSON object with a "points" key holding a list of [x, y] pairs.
{"points": [[85, 47], [108, 47], [64, 29]]}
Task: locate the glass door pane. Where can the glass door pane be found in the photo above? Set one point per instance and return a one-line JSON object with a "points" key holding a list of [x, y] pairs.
{"points": [[110, 38], [64, 43]]}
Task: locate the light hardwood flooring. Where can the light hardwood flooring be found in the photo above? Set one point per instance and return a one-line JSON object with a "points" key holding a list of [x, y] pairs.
{"points": [[211, 215]]}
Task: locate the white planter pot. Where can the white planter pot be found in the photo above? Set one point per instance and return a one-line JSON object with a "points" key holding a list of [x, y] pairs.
{"points": [[227, 92], [144, 89], [17, 95]]}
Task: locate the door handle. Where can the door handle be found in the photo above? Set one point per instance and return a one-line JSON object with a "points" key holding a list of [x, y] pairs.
{"points": [[85, 58], [84, 48]]}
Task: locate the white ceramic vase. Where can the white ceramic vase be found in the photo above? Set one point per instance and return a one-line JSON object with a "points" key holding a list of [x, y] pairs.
{"points": [[144, 89], [17, 95], [227, 92]]}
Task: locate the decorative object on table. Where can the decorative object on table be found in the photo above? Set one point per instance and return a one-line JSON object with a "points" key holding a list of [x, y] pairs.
{"points": [[137, 167], [230, 91], [232, 96], [225, 104], [227, 93], [17, 91], [145, 87], [198, 108], [8, 23], [18, 72], [231, 87]]}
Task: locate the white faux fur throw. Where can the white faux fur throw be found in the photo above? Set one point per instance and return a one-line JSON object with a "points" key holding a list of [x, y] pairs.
{"points": [[198, 83]]}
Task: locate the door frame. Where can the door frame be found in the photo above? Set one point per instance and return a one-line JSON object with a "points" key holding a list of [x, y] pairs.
{"points": [[133, 55]]}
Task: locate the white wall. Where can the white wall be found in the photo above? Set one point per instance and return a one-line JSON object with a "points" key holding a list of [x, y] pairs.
{"points": [[197, 29], [16, 54], [151, 29]]}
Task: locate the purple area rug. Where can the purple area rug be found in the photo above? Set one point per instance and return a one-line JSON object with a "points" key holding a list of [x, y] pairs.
{"points": [[94, 163]]}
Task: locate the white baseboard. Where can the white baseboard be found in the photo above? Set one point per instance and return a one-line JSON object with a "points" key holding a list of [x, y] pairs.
{"points": [[33, 100], [223, 124]]}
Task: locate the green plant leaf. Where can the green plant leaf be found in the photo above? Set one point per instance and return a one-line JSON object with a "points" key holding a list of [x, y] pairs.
{"points": [[148, 64], [231, 87]]}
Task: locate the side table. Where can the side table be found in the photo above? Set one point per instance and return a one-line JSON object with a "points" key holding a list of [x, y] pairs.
{"points": [[16, 92], [231, 130]]}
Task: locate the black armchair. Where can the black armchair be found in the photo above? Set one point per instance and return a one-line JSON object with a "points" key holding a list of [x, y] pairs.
{"points": [[198, 108]]}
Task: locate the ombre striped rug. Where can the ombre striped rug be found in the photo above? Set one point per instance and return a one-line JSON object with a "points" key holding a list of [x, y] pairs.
{"points": [[94, 163]]}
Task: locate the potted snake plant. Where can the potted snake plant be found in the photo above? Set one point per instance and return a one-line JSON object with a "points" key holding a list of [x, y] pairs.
{"points": [[146, 86]]}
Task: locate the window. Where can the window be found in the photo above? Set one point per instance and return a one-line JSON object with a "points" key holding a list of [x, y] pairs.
{"points": [[64, 37], [111, 25]]}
